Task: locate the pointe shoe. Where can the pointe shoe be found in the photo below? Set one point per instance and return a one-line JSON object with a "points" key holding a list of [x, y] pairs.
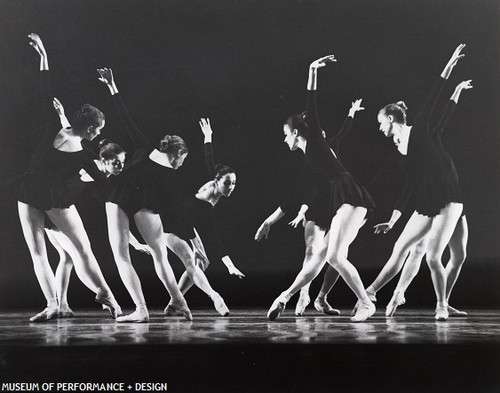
{"points": [[371, 295], [453, 312], [302, 303], [170, 311], [322, 306], [110, 304], [398, 299], [140, 315], [276, 308], [65, 312], [442, 313], [181, 309], [45, 315], [220, 306], [363, 311]]}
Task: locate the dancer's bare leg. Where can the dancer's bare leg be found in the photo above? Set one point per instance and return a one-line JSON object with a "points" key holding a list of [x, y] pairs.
{"points": [[186, 255], [457, 245], [417, 227], [443, 226], [63, 271], [410, 270], [118, 234], [86, 267], [315, 250], [32, 224]]}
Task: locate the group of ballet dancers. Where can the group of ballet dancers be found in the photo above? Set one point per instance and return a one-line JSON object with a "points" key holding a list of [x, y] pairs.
{"points": [[142, 185]]}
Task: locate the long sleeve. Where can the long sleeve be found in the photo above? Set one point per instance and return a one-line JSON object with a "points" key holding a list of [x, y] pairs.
{"points": [[426, 111], [334, 141], [405, 195], [209, 160], [47, 96], [137, 137], [445, 118]]}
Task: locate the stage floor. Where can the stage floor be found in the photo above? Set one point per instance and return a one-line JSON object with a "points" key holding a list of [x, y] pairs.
{"points": [[245, 352]]}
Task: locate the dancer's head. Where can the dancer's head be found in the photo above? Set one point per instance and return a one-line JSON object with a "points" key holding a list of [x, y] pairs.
{"points": [[225, 180], [295, 129], [175, 148], [88, 122], [391, 117], [112, 156]]}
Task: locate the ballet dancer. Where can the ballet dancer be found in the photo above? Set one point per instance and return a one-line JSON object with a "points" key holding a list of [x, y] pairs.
{"points": [[147, 192], [429, 190], [58, 157], [458, 241], [331, 275], [201, 215], [338, 204]]}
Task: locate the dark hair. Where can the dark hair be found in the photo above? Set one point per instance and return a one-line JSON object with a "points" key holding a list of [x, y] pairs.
{"points": [[87, 116], [396, 110], [172, 144], [109, 149], [221, 170], [299, 122]]}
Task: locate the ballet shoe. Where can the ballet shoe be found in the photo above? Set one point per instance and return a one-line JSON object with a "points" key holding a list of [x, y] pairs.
{"points": [[110, 304], [45, 315], [302, 303], [442, 313], [170, 311], [277, 308], [180, 309], [371, 295], [140, 315], [65, 312], [321, 305], [364, 311], [453, 312], [220, 306], [398, 299]]}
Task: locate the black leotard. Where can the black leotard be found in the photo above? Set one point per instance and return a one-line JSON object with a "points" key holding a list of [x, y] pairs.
{"points": [[44, 185], [333, 186], [428, 186], [145, 184]]}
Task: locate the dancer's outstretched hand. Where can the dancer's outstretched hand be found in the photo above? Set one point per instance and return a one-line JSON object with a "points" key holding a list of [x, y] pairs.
{"points": [[356, 107], [58, 106], [235, 272], [322, 61], [383, 228], [301, 218], [465, 85], [263, 231], [36, 42], [205, 127], [143, 248], [106, 75]]}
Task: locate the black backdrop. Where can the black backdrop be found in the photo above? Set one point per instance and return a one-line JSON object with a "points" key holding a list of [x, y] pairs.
{"points": [[244, 65]]}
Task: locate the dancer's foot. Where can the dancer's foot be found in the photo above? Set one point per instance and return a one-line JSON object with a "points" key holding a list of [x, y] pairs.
{"points": [[322, 306], [45, 315], [65, 312], [170, 311], [180, 307], [364, 311], [302, 303], [442, 313], [453, 312], [220, 306], [140, 315], [398, 299], [372, 295], [109, 303], [276, 308]]}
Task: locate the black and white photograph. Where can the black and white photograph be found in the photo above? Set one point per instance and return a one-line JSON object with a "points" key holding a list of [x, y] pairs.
{"points": [[250, 196]]}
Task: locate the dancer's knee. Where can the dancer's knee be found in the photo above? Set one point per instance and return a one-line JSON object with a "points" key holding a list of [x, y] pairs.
{"points": [[433, 261]]}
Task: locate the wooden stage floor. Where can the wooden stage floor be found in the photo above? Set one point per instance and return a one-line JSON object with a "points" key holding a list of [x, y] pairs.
{"points": [[247, 353]]}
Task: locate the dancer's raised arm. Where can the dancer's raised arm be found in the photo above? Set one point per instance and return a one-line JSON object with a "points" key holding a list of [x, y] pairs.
{"points": [[58, 106], [36, 42], [457, 55]]}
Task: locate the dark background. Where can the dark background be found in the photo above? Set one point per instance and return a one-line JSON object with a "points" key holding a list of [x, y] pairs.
{"points": [[244, 65]]}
